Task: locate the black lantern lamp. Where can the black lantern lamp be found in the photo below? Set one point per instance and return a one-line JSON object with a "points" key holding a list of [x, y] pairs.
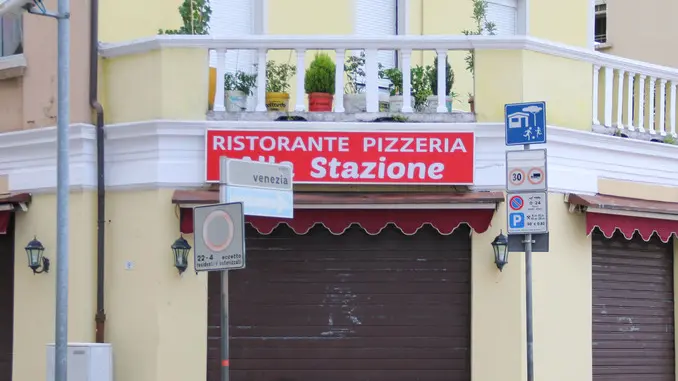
{"points": [[180, 248], [36, 261], [501, 253]]}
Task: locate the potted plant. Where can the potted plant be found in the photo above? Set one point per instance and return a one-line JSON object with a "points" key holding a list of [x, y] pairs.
{"points": [[354, 91], [319, 83], [482, 26], [277, 85], [432, 74], [238, 87], [421, 87], [395, 88]]}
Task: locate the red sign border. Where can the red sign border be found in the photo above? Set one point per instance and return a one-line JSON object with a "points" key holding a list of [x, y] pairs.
{"points": [[348, 130]]}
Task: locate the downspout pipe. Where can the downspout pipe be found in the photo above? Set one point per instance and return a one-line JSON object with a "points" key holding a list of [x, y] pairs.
{"points": [[100, 316]]}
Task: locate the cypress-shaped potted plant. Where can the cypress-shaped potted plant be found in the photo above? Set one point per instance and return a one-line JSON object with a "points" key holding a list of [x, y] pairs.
{"points": [[432, 74], [482, 26], [319, 83], [277, 85]]}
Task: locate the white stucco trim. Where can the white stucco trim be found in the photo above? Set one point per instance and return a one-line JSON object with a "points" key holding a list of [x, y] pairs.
{"points": [[171, 154]]}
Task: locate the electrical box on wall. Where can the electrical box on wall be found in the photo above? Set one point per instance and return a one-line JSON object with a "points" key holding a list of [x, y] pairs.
{"points": [[86, 362]]}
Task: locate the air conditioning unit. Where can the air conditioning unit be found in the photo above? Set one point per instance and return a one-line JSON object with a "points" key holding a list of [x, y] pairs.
{"points": [[86, 362]]}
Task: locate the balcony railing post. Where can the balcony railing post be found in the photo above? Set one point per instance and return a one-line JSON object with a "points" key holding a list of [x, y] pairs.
{"points": [[372, 79], [672, 112], [596, 90], [219, 83], [442, 76], [641, 103], [609, 82], [261, 80], [339, 81], [406, 56], [300, 105], [629, 100], [620, 99], [651, 106], [662, 107]]}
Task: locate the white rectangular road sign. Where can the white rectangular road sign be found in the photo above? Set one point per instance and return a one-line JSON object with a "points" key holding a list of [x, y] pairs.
{"points": [[527, 213], [219, 237], [264, 188], [526, 170]]}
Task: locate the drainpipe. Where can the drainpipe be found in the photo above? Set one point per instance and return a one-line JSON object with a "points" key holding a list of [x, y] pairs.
{"points": [[100, 317]]}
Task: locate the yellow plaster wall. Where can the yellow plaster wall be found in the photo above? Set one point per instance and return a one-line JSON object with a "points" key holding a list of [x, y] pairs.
{"points": [[560, 21], [637, 190], [564, 84], [122, 20], [154, 85], [35, 295], [561, 281], [154, 314]]}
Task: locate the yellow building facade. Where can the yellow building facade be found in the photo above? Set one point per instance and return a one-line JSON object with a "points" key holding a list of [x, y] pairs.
{"points": [[379, 281]]}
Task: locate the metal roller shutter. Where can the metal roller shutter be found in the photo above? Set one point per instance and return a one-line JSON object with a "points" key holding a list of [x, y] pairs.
{"points": [[633, 304], [233, 18], [377, 18], [7, 304], [315, 307], [504, 13]]}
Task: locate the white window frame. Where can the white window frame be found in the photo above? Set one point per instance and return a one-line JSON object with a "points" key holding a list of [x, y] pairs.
{"points": [[4, 19]]}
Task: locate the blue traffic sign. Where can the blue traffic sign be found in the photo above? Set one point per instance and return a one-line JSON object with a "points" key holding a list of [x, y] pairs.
{"points": [[516, 220], [525, 123]]}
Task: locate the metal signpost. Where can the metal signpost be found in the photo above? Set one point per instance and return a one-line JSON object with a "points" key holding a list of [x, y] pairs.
{"points": [[527, 193], [247, 188]]}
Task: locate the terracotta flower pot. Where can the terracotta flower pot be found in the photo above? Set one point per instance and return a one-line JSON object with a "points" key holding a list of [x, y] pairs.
{"points": [[320, 102]]}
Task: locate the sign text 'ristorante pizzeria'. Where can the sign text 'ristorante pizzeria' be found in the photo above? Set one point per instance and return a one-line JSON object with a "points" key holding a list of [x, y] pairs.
{"points": [[351, 157]]}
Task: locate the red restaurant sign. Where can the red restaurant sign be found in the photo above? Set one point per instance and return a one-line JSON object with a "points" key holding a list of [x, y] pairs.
{"points": [[351, 157]]}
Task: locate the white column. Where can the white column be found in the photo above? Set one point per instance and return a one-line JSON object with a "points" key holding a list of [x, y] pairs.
{"points": [[641, 103], [407, 80], [596, 84], [629, 101], [261, 80], [620, 99], [662, 107], [651, 106], [672, 115], [301, 73], [442, 76], [372, 79], [221, 72], [339, 81], [609, 82]]}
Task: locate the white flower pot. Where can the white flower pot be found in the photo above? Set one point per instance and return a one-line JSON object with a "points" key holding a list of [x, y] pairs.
{"points": [[432, 103], [396, 103], [236, 101], [354, 103]]}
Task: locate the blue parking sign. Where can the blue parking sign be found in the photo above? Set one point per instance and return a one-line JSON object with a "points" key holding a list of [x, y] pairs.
{"points": [[516, 220], [525, 123]]}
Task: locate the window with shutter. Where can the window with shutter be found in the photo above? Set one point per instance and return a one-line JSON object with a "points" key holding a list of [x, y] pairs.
{"points": [[233, 18], [377, 18], [504, 14], [10, 35]]}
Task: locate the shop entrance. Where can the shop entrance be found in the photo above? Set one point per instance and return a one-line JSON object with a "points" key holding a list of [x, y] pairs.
{"points": [[7, 301]]}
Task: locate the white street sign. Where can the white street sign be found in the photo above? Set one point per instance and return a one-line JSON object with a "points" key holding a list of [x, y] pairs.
{"points": [[526, 170], [264, 188], [527, 213], [219, 237]]}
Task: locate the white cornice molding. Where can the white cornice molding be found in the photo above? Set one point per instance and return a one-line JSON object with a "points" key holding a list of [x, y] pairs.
{"points": [[163, 153], [407, 42]]}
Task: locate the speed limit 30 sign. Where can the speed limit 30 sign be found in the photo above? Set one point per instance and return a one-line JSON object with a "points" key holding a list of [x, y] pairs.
{"points": [[526, 170]]}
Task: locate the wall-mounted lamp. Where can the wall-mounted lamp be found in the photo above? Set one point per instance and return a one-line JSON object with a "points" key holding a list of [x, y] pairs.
{"points": [[501, 253], [36, 261], [181, 248]]}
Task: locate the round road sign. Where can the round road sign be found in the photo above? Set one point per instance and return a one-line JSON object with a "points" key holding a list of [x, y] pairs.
{"points": [[517, 176], [516, 202], [535, 176], [217, 231]]}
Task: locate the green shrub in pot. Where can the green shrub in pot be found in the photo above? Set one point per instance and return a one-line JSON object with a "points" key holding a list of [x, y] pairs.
{"points": [[319, 82]]}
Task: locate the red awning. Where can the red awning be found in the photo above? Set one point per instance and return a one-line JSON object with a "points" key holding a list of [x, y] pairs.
{"points": [[628, 216], [4, 221], [377, 211]]}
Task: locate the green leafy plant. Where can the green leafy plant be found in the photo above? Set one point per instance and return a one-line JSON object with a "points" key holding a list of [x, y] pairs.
{"points": [[277, 76], [482, 26], [432, 74], [195, 15], [354, 69], [320, 75], [669, 139], [240, 81], [396, 77], [421, 87]]}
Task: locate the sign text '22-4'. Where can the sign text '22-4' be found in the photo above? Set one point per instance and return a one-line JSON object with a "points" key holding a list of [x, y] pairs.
{"points": [[351, 157]]}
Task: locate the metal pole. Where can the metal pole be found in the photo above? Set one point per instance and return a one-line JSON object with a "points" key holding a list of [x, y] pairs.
{"points": [[528, 307], [63, 122], [225, 364]]}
